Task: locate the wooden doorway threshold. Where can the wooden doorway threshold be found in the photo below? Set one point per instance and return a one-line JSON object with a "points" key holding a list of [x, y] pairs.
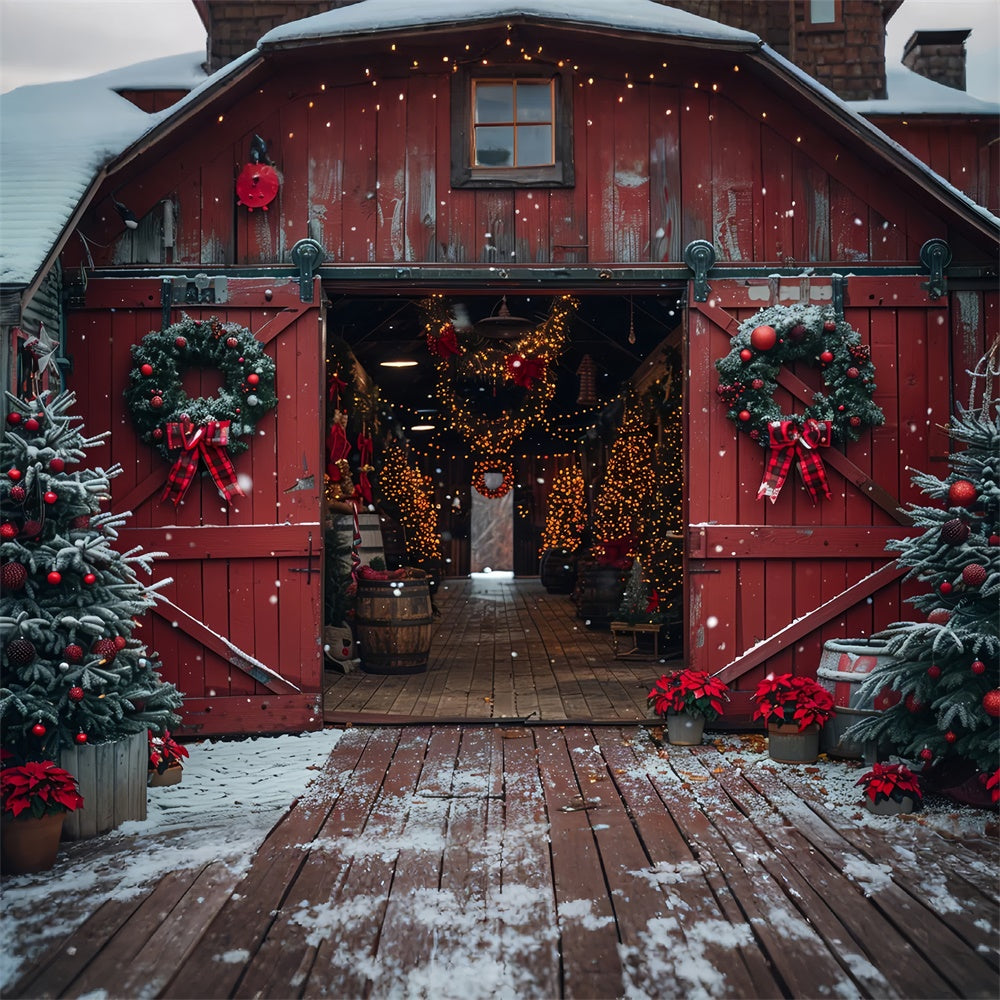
{"points": [[504, 651]]}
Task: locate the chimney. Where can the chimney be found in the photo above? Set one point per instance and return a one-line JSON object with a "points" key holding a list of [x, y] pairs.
{"points": [[938, 55]]}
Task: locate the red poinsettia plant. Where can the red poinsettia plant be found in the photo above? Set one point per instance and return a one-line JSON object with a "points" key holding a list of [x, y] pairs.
{"points": [[693, 691], [993, 785], [890, 781], [164, 751], [787, 698], [37, 788]]}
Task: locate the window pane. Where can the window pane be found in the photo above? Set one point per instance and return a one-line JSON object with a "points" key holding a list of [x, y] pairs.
{"points": [[494, 147], [534, 145], [822, 11], [494, 102], [534, 102]]}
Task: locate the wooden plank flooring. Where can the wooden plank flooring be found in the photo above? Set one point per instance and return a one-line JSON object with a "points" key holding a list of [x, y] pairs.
{"points": [[504, 650], [556, 861]]}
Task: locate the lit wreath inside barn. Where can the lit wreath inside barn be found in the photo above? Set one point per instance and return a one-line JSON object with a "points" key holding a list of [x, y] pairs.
{"points": [[187, 429], [842, 412]]}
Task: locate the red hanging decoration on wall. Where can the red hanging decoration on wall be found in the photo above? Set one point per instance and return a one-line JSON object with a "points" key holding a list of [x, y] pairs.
{"points": [[258, 182]]}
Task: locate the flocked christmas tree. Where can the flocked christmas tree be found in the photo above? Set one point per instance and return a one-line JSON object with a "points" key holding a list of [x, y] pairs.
{"points": [[946, 667], [566, 512], [639, 603], [72, 671]]}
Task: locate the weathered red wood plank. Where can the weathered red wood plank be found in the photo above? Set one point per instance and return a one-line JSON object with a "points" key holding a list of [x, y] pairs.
{"points": [[664, 176], [630, 135], [360, 191]]}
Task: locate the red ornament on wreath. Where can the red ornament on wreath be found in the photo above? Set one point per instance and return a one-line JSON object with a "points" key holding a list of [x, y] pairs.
{"points": [[763, 338], [39, 730], [978, 667], [974, 575], [146, 370], [962, 493], [76, 693], [56, 464], [991, 703], [933, 671], [746, 354]]}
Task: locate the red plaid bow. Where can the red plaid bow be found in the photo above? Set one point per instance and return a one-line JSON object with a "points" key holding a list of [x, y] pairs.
{"points": [[788, 442], [208, 442], [523, 371]]}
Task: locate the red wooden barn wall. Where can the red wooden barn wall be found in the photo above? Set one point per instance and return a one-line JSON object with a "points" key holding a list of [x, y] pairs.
{"points": [[241, 635], [769, 583], [704, 151]]}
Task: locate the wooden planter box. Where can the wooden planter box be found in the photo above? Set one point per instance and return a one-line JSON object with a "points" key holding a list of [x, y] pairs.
{"points": [[112, 779]]}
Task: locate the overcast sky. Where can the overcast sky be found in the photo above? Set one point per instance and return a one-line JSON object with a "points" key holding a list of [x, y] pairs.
{"points": [[46, 40]]}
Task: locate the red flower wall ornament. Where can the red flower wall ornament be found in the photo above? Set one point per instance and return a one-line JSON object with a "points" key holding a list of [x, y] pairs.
{"points": [[258, 183], [524, 371]]}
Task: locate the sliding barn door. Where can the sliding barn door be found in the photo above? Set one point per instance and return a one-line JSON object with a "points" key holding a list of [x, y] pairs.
{"points": [[239, 629], [768, 584]]}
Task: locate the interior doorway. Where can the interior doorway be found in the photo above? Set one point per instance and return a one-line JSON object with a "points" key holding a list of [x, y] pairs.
{"points": [[435, 397]]}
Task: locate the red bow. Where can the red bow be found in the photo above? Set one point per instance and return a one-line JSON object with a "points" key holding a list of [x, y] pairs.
{"points": [[444, 343], [208, 442], [789, 443], [523, 371], [654, 603], [335, 386], [365, 448]]}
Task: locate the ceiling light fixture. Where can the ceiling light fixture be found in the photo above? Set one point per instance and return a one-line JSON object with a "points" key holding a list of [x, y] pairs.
{"points": [[422, 427], [398, 364]]}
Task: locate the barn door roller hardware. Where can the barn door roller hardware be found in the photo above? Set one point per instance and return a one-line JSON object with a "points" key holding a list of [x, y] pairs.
{"points": [[307, 255], [935, 255], [199, 290], [699, 255]]}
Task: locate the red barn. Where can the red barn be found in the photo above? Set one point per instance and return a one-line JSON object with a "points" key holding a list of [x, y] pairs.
{"points": [[672, 174]]}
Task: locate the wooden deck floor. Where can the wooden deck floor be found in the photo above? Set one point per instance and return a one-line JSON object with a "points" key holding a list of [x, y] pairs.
{"points": [[555, 861], [503, 649]]}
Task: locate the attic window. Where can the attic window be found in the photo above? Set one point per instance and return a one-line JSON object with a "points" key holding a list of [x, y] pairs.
{"points": [[511, 127], [823, 14]]}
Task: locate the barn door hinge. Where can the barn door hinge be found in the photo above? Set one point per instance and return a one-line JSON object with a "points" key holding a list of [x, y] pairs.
{"points": [[935, 255], [309, 568], [307, 255], [699, 255], [199, 290], [838, 286]]}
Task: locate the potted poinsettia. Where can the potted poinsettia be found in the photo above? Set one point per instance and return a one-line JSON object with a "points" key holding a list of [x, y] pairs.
{"points": [[891, 789], [687, 699], [165, 759], [35, 797], [794, 709]]}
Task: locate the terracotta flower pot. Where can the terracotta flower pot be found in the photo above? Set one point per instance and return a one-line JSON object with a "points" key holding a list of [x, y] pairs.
{"points": [[684, 729], [28, 844], [787, 744], [171, 776]]}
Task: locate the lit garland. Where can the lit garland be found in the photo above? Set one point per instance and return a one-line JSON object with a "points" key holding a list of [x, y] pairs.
{"points": [[531, 355], [566, 512], [411, 491]]}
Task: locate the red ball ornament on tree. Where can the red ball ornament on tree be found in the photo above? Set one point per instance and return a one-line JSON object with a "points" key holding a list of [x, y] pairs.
{"points": [[56, 464], [76, 693], [31, 424], [13, 419], [933, 671], [939, 616], [955, 531], [8, 531], [180, 343], [826, 357], [978, 667], [13, 576], [31, 529], [926, 755], [17, 494], [830, 326], [80, 738], [146, 370], [855, 421], [232, 342], [14, 475], [20, 652], [763, 337], [156, 402], [912, 705], [757, 383], [73, 653], [746, 354], [89, 579], [852, 373], [974, 575], [39, 730], [950, 737], [120, 641], [994, 540], [962, 493], [50, 497], [158, 434], [55, 578], [106, 649], [991, 703], [946, 588], [744, 415]]}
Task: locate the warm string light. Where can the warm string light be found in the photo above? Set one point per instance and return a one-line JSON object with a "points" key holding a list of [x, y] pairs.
{"points": [[412, 492], [566, 511]]}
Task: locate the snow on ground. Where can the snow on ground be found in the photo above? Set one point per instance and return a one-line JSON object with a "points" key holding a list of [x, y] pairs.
{"points": [[233, 793]]}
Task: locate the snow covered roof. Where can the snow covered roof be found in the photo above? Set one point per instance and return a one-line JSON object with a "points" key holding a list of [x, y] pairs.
{"points": [[911, 94], [380, 16]]}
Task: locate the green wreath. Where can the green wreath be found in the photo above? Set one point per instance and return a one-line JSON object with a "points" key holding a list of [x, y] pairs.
{"points": [[783, 334], [155, 395]]}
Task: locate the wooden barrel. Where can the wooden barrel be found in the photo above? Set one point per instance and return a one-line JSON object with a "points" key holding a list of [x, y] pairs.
{"points": [[557, 571], [393, 619], [843, 666], [601, 590]]}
